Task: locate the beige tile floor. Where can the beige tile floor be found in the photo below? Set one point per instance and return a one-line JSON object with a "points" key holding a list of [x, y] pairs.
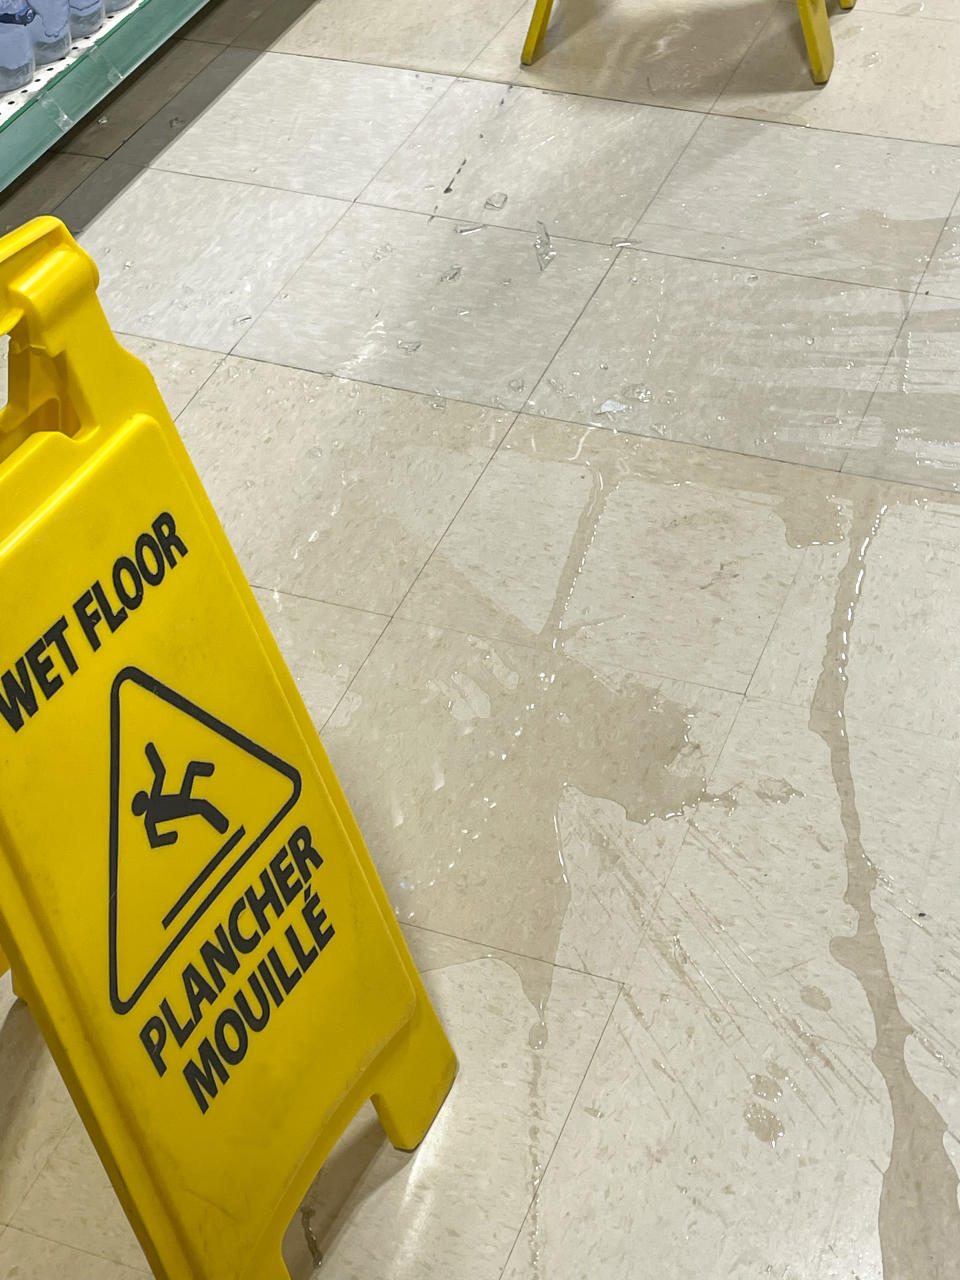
{"points": [[591, 436]]}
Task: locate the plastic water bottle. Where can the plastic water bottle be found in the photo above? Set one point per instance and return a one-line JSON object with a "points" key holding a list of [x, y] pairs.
{"points": [[16, 45], [114, 6], [50, 30], [86, 17]]}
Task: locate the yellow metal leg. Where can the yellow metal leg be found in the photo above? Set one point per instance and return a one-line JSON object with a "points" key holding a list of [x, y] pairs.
{"points": [[816, 32], [538, 29]]}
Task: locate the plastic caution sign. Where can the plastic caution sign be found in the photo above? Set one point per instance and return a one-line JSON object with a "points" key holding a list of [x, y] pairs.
{"points": [[185, 899]]}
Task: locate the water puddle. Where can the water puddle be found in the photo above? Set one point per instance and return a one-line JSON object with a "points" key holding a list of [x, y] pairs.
{"points": [[919, 1218]]}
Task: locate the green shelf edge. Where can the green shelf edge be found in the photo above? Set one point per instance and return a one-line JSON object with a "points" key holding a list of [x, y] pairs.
{"points": [[37, 126]]}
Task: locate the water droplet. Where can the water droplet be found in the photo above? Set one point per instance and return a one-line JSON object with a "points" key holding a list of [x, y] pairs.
{"points": [[643, 394], [544, 247]]}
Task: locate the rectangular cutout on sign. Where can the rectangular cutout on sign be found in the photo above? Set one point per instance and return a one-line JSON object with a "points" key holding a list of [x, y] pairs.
{"points": [[4, 370]]}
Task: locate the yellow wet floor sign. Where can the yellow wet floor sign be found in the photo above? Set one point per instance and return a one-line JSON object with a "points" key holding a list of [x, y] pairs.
{"points": [[814, 20], [185, 899]]}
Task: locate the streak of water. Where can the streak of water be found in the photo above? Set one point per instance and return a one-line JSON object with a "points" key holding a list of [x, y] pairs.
{"points": [[919, 1218]]}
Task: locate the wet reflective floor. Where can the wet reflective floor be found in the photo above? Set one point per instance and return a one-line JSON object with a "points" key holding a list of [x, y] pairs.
{"points": [[591, 435]]}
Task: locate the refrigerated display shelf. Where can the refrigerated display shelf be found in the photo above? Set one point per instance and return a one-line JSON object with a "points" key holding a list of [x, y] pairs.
{"points": [[35, 118]]}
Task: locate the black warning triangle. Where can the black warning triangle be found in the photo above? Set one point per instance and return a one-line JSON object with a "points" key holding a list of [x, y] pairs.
{"points": [[191, 800]]}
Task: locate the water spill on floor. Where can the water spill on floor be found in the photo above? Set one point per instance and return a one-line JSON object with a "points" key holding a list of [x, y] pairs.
{"points": [[697, 944], [919, 1217]]}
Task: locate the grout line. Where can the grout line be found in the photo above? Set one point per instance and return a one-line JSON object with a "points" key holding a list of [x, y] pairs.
{"points": [[350, 683], [746, 53], [954, 213], [543, 646], [614, 260], [521, 7], [763, 269], [560, 1131], [434, 216], [769, 635], [330, 604], [40, 1172], [215, 370], [234, 44], [536, 416], [495, 950], [666, 178], [294, 272], [876, 391], [358, 198], [416, 578], [368, 382], [494, 452], [466, 74], [135, 1269]]}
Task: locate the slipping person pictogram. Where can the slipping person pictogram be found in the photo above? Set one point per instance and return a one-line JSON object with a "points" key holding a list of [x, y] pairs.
{"points": [[158, 806]]}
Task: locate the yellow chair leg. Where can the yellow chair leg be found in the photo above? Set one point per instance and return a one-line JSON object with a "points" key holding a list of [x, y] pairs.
{"points": [[538, 29], [816, 32]]}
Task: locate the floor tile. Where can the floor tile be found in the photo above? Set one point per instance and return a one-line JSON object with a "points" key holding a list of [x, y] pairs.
{"points": [[323, 644], [894, 565], [413, 35], [754, 916], [165, 273], [944, 10], [332, 489], [773, 365], [28, 1257], [410, 302], [638, 554], [585, 167], [179, 372], [35, 1108], [943, 274], [773, 196], [912, 429], [524, 1033], [148, 91], [518, 797], [679, 55], [44, 187], [893, 77], [716, 1130], [256, 129], [185, 109], [73, 1203]]}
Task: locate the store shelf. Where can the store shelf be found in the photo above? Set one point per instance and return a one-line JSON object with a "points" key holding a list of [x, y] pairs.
{"points": [[33, 119]]}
